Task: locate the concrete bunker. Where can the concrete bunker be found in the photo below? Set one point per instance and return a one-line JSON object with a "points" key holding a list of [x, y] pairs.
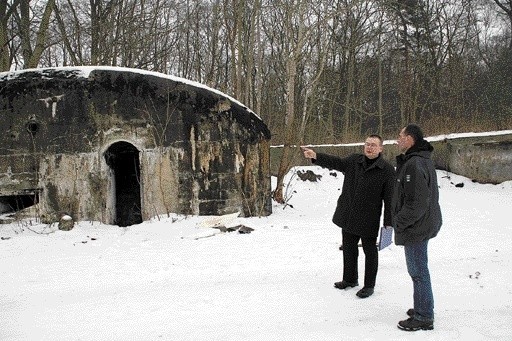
{"points": [[121, 146]]}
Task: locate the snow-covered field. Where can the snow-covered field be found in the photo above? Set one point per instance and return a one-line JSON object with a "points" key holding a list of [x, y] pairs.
{"points": [[170, 279]]}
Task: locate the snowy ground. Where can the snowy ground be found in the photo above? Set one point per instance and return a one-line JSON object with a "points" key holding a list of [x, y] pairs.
{"points": [[169, 279]]}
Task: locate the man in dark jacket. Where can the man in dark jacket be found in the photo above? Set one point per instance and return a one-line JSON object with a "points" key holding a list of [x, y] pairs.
{"points": [[368, 181], [416, 219]]}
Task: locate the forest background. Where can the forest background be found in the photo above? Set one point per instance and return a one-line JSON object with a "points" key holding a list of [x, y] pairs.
{"points": [[315, 71]]}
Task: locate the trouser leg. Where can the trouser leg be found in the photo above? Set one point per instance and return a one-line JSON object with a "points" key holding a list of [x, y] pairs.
{"points": [[350, 255], [371, 263], [416, 256]]}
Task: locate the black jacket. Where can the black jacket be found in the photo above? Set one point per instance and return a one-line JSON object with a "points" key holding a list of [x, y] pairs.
{"points": [[416, 211], [359, 206]]}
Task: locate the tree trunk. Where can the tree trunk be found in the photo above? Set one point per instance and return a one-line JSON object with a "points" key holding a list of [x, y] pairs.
{"points": [[42, 34], [5, 56], [95, 31], [286, 158]]}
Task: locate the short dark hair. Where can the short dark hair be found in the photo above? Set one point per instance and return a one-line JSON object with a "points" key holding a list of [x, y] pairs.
{"points": [[414, 131], [375, 136]]}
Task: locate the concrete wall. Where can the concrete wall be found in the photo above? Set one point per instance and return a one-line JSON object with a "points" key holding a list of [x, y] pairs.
{"points": [[485, 162]]}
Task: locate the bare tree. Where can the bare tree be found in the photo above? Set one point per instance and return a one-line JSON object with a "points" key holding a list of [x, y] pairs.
{"points": [[506, 6], [7, 48], [296, 23], [30, 24], [290, 17], [339, 67]]}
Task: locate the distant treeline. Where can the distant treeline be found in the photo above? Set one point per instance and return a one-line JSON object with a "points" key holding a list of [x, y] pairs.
{"points": [[316, 71]]}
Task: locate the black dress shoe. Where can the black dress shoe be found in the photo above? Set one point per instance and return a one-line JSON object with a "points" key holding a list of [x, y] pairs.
{"points": [[343, 285], [365, 292]]}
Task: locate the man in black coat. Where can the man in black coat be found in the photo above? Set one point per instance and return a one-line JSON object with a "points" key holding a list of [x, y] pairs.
{"points": [[368, 182], [416, 219]]}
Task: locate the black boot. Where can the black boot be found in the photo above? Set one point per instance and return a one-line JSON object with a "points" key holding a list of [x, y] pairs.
{"points": [[344, 284], [365, 292], [412, 325]]}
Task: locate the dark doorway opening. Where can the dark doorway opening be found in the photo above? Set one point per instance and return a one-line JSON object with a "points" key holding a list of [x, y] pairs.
{"points": [[18, 202], [123, 159]]}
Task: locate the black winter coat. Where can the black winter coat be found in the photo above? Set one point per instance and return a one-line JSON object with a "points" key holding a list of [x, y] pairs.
{"points": [[364, 189], [416, 211]]}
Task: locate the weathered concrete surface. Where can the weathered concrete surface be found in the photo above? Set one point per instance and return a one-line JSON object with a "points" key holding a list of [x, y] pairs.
{"points": [[199, 151], [486, 162]]}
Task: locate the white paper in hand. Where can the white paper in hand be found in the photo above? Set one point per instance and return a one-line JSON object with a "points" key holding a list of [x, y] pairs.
{"points": [[386, 237]]}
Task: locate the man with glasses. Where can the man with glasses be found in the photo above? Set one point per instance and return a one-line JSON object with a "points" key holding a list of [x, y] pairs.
{"points": [[416, 219], [368, 182]]}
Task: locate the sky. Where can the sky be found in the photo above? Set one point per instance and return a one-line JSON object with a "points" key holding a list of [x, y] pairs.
{"points": [[175, 278]]}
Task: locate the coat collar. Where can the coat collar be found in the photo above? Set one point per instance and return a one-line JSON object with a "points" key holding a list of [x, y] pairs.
{"points": [[423, 149], [380, 163]]}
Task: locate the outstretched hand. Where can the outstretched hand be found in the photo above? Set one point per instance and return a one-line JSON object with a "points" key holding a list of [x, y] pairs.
{"points": [[308, 153]]}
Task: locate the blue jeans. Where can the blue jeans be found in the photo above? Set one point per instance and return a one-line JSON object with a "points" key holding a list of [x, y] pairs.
{"points": [[416, 257]]}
